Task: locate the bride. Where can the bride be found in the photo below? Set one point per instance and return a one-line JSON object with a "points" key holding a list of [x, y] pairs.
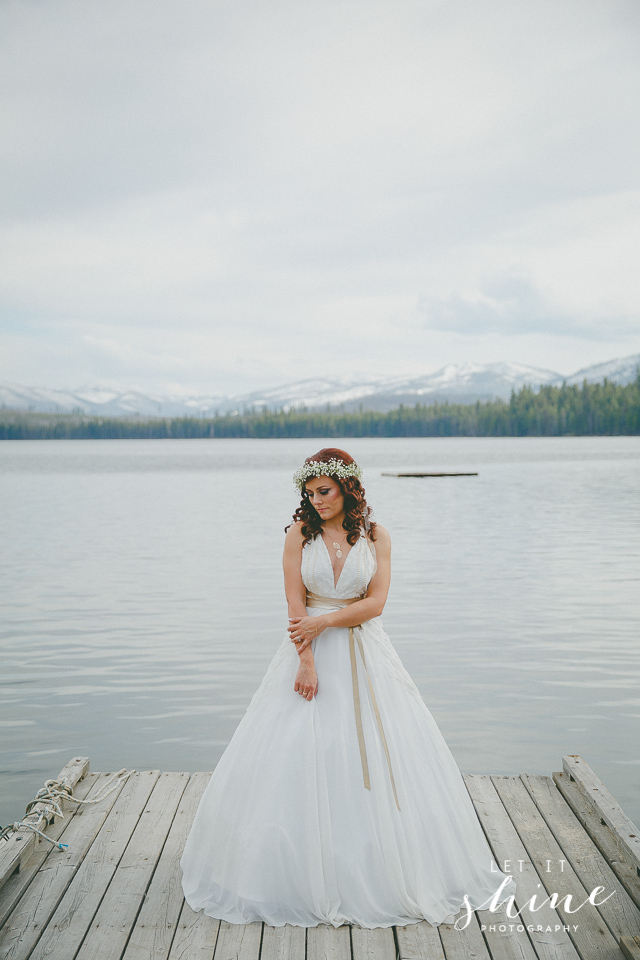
{"points": [[337, 799]]}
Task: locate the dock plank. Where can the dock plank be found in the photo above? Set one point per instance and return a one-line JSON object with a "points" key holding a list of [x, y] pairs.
{"points": [[156, 923], [619, 912], [550, 940], [111, 926], [283, 943], [505, 936], [16, 885], [376, 944], [463, 944], [68, 926], [33, 912], [589, 932], [626, 833], [328, 943], [237, 941], [22, 843], [504, 940], [196, 936], [630, 947], [601, 834], [419, 941]]}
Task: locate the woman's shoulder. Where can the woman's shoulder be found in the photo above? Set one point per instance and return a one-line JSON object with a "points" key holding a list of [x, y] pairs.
{"points": [[294, 531], [381, 534], [382, 540], [294, 534]]}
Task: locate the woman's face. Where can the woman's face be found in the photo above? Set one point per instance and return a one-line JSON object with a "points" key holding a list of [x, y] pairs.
{"points": [[326, 496]]}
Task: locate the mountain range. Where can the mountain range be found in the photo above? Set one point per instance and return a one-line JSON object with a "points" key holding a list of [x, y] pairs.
{"points": [[456, 383]]}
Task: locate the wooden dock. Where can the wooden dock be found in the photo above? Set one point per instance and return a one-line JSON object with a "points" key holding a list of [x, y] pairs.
{"points": [[418, 473], [115, 894]]}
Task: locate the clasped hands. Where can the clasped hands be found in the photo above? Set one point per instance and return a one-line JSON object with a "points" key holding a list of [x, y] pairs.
{"points": [[303, 630]]}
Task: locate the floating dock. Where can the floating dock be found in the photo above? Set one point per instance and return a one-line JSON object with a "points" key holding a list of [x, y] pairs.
{"points": [[418, 473], [114, 893]]}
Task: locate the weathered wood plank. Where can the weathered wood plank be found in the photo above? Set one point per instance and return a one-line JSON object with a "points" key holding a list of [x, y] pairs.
{"points": [[237, 941], [463, 944], [68, 925], [506, 937], [601, 834], [549, 938], [328, 943], [630, 947], [196, 936], [156, 923], [16, 885], [504, 940], [25, 925], [21, 844], [626, 834], [419, 941], [589, 932], [283, 943], [112, 924], [376, 944], [619, 912]]}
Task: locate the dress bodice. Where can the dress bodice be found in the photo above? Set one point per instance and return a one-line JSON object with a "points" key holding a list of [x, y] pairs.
{"points": [[357, 572]]}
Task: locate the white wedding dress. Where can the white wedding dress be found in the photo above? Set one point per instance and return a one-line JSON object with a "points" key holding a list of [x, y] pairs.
{"points": [[287, 831]]}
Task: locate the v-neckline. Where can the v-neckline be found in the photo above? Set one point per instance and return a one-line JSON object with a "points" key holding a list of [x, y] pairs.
{"points": [[336, 582]]}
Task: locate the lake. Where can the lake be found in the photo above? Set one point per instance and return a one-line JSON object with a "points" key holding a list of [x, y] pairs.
{"points": [[142, 598]]}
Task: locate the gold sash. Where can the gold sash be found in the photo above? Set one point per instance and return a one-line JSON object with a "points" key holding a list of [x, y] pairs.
{"points": [[313, 600]]}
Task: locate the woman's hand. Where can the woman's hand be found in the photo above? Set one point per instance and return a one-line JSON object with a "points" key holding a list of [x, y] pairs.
{"points": [[303, 630], [306, 681]]}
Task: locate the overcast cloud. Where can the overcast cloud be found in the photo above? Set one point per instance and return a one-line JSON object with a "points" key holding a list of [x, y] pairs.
{"points": [[228, 194]]}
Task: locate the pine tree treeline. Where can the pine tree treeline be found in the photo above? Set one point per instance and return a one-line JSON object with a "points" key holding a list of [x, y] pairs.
{"points": [[591, 409]]}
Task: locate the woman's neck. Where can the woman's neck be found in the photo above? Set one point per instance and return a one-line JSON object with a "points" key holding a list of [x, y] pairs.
{"points": [[333, 527]]}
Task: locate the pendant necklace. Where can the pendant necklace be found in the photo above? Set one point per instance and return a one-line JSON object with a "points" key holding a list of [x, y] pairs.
{"points": [[337, 547]]}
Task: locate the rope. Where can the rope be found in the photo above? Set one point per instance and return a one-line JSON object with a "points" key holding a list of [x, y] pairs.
{"points": [[52, 795]]}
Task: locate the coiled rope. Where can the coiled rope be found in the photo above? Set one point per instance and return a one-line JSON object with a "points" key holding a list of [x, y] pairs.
{"points": [[52, 795]]}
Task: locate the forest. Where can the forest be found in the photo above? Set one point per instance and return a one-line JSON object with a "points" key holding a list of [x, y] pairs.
{"points": [[590, 409]]}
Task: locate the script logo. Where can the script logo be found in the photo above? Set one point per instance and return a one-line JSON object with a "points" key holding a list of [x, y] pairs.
{"points": [[502, 900]]}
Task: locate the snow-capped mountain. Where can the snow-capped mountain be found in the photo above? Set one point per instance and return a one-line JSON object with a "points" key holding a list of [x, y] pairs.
{"points": [[457, 383], [464, 383], [618, 371], [99, 401]]}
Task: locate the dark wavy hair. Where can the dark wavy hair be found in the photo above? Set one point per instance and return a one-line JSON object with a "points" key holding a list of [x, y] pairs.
{"points": [[355, 505]]}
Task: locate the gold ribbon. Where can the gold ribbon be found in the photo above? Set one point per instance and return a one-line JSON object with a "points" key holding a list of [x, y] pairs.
{"points": [[314, 600]]}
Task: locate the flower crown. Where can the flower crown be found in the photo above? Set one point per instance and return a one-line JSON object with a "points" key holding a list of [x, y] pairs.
{"points": [[332, 468]]}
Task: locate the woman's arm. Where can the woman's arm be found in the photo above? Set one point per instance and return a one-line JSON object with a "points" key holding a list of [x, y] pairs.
{"points": [[294, 588], [307, 628], [306, 682]]}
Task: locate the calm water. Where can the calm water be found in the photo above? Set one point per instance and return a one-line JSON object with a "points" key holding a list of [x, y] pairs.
{"points": [[142, 598]]}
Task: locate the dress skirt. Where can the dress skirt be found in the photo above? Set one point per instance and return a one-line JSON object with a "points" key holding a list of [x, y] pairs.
{"points": [[288, 833]]}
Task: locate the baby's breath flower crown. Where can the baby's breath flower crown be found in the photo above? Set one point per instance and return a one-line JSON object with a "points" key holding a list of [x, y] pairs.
{"points": [[332, 468]]}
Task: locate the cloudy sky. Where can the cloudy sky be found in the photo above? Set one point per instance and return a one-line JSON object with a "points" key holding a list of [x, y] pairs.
{"points": [[214, 196]]}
